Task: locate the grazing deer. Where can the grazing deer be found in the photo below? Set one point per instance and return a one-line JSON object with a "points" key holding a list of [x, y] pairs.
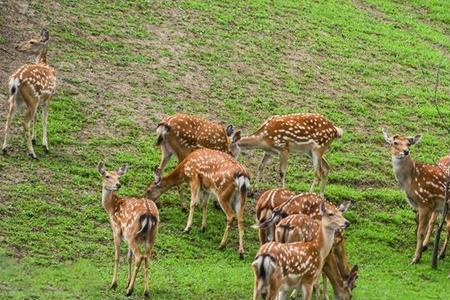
{"points": [[302, 228], [308, 133], [264, 206], [211, 171], [32, 84], [280, 267], [423, 184], [132, 219], [181, 134]]}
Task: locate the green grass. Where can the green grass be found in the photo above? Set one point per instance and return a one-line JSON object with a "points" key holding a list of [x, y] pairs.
{"points": [[123, 65]]}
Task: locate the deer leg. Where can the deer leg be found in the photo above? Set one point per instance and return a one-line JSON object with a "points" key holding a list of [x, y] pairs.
{"points": [[284, 154], [316, 161], [444, 246], [29, 114], [205, 212], [195, 199], [117, 239], [12, 103], [45, 109], [429, 230], [181, 196], [149, 242], [166, 154], [282, 295], [129, 259], [265, 160], [325, 167], [325, 287], [137, 263], [307, 291], [34, 131], [424, 216], [240, 220], [225, 203]]}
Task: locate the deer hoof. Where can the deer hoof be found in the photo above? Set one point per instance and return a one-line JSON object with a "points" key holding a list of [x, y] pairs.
{"points": [[414, 261], [424, 248], [113, 286], [46, 150], [241, 255], [32, 155], [4, 151], [146, 294], [187, 230], [33, 141], [222, 246], [129, 292], [202, 229]]}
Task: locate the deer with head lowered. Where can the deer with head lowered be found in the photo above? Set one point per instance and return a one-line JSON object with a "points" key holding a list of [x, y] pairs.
{"points": [[280, 267], [133, 220], [337, 268], [209, 171], [423, 184], [181, 134], [32, 84], [303, 228], [280, 135]]}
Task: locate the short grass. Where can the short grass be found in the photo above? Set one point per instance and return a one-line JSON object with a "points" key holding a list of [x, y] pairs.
{"points": [[123, 65]]}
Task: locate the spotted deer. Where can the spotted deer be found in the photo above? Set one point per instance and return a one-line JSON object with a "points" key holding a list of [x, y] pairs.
{"points": [[264, 206], [309, 204], [181, 134], [135, 220], [280, 267], [423, 184], [210, 171], [302, 228], [280, 135], [32, 84]]}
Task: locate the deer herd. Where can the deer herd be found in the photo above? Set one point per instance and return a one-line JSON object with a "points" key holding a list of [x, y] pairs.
{"points": [[301, 235]]}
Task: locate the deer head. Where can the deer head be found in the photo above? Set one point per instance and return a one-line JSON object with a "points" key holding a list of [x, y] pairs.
{"points": [[36, 44], [111, 180], [400, 144]]}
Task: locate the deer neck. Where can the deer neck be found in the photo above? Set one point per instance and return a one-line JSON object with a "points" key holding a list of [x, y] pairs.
{"points": [[42, 56], [251, 142], [175, 178], [326, 240], [403, 170], [108, 200]]}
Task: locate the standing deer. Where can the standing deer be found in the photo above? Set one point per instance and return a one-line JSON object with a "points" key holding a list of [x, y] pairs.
{"points": [[302, 228], [309, 204], [308, 133], [215, 172], [181, 134], [32, 84], [280, 267], [423, 184], [133, 220]]}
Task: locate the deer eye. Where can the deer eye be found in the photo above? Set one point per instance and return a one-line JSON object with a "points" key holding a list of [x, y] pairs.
{"points": [[395, 143], [107, 176], [330, 215]]}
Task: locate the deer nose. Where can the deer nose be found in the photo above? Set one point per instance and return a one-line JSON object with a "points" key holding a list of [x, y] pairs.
{"points": [[118, 185], [406, 152], [346, 224]]}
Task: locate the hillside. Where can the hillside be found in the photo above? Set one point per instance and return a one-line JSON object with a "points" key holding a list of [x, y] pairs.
{"points": [[123, 65]]}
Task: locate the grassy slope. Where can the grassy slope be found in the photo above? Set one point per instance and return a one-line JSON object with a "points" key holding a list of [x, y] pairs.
{"points": [[364, 64]]}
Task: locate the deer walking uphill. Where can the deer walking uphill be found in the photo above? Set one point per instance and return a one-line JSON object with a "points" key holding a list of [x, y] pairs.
{"points": [[134, 220], [211, 171], [279, 267], [423, 184], [182, 134], [31, 84], [280, 135]]}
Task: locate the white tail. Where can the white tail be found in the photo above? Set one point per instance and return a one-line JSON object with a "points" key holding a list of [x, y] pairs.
{"points": [[308, 133], [31, 84], [215, 172], [134, 220]]}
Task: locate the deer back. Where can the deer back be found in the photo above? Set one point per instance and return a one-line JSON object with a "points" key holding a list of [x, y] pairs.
{"points": [[269, 200], [40, 79]]}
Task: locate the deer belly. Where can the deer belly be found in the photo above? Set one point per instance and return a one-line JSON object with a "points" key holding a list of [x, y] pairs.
{"points": [[291, 281], [302, 146]]}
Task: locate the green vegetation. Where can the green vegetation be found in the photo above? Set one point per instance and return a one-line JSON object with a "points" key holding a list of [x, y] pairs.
{"points": [[122, 65]]}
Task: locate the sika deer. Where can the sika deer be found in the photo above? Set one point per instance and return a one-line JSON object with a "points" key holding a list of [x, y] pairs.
{"points": [[308, 133], [302, 228], [132, 219], [281, 267], [211, 171], [423, 184], [181, 134], [32, 84]]}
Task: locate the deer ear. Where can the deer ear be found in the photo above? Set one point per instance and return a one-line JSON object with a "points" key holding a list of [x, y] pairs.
{"points": [[414, 139], [344, 206], [157, 175], [101, 168], [323, 210], [386, 136], [230, 130], [122, 170], [45, 36], [236, 136]]}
